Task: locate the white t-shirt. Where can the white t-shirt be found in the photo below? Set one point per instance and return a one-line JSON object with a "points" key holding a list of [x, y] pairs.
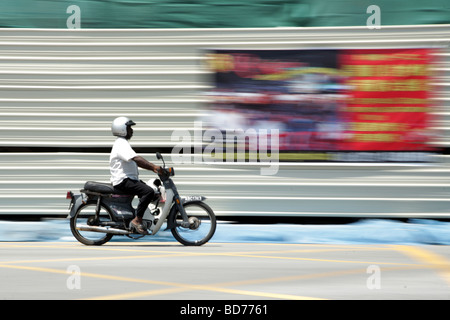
{"points": [[120, 163]]}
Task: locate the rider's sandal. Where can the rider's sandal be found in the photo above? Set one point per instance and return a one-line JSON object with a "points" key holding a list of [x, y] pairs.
{"points": [[138, 227]]}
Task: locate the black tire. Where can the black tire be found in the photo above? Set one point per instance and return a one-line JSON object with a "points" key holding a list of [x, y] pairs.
{"points": [[204, 232], [85, 212]]}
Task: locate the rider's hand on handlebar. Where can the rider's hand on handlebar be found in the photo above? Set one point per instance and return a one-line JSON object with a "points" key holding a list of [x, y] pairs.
{"points": [[158, 170]]}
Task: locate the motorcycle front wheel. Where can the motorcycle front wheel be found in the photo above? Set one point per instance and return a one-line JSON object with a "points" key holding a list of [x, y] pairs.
{"points": [[86, 216], [202, 224]]}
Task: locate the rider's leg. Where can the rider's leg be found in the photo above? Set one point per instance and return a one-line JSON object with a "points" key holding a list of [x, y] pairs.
{"points": [[145, 194]]}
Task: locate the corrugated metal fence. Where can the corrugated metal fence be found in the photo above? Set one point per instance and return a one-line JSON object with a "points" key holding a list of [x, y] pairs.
{"points": [[62, 88]]}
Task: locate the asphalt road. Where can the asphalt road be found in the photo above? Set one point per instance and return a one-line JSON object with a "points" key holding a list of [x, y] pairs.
{"points": [[222, 271]]}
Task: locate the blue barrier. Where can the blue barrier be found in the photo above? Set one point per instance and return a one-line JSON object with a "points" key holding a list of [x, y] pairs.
{"points": [[372, 231]]}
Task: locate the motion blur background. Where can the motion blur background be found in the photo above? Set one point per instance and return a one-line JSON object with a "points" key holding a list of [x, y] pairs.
{"points": [[60, 89]]}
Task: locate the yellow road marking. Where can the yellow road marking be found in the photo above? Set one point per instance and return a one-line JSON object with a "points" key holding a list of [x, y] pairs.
{"points": [[314, 259], [179, 286], [138, 294], [221, 287], [164, 253], [310, 276], [265, 294], [425, 257], [433, 260], [190, 254], [95, 258]]}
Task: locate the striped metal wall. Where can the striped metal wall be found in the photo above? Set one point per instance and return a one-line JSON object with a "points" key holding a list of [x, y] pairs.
{"points": [[62, 89]]}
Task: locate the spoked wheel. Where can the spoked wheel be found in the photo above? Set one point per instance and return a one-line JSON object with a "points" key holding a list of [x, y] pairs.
{"points": [[85, 216], [202, 224]]}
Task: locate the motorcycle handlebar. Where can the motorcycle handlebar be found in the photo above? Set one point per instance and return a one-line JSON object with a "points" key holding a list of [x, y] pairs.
{"points": [[166, 172]]}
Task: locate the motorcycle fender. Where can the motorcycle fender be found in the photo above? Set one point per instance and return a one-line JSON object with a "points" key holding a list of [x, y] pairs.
{"points": [[187, 199], [77, 201], [173, 211]]}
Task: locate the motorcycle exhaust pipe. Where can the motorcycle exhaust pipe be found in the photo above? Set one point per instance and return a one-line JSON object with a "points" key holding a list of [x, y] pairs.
{"points": [[103, 229]]}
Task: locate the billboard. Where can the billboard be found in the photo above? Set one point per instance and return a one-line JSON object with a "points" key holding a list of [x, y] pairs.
{"points": [[328, 104]]}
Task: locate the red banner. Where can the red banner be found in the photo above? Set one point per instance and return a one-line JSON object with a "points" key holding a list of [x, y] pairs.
{"points": [[389, 99], [329, 105]]}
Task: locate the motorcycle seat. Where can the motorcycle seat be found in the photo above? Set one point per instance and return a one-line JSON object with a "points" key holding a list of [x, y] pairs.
{"points": [[101, 187]]}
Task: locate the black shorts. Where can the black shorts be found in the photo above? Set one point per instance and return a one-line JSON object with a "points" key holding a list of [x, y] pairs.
{"points": [[140, 189]]}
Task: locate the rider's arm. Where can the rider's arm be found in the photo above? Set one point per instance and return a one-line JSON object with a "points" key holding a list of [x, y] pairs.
{"points": [[142, 163]]}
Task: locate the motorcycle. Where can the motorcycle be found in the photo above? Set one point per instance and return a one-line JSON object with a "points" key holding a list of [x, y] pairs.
{"points": [[100, 211]]}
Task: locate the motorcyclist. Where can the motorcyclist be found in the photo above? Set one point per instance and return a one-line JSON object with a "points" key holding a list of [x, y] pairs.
{"points": [[124, 163]]}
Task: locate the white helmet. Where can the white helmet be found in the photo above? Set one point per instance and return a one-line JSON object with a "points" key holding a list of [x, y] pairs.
{"points": [[120, 125]]}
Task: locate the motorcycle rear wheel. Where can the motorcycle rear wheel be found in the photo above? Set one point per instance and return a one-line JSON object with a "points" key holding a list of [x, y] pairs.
{"points": [[84, 216]]}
